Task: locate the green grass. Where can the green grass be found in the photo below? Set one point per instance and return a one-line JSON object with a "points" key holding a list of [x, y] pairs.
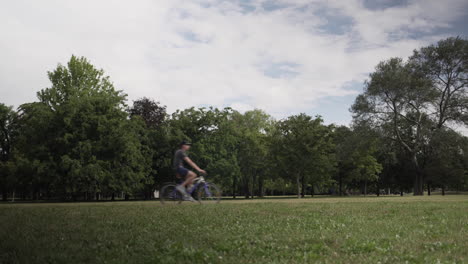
{"points": [[318, 230]]}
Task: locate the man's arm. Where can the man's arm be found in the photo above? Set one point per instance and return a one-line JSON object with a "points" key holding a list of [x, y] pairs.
{"points": [[193, 165]]}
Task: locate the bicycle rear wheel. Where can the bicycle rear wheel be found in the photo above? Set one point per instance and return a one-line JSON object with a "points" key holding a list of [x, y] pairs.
{"points": [[170, 195], [208, 193]]}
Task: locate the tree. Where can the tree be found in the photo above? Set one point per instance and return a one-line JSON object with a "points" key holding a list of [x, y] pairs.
{"points": [[395, 100], [364, 157], [414, 99], [341, 136], [154, 137], [304, 150], [447, 162], [89, 146], [7, 120], [252, 130], [220, 152], [212, 135], [446, 66], [230, 145], [152, 112], [36, 170], [356, 152]]}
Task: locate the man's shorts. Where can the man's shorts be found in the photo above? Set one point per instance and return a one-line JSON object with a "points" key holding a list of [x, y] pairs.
{"points": [[182, 171]]}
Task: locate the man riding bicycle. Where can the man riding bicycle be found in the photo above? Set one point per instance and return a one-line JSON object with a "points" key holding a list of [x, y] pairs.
{"points": [[180, 157]]}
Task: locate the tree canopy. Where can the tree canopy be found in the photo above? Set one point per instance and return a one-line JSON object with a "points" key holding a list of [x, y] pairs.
{"points": [[82, 140]]}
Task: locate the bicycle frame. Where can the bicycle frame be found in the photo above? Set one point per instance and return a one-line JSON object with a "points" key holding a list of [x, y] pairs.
{"points": [[199, 180]]}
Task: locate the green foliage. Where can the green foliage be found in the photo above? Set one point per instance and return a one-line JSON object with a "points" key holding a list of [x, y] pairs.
{"points": [[357, 153], [445, 65], [7, 131], [304, 150], [364, 144], [81, 140], [7, 118], [152, 113], [230, 145], [78, 138], [447, 161], [252, 128], [154, 138], [219, 151], [409, 102]]}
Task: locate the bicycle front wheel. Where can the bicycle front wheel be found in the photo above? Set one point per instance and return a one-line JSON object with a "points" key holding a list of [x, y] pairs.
{"points": [[170, 195], [208, 193]]}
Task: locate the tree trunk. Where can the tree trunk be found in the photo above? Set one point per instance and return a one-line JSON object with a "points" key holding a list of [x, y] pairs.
{"points": [[252, 190], [246, 191], [365, 188], [303, 193], [127, 197], [401, 193], [4, 195], [113, 197], [234, 183], [260, 187], [378, 188], [341, 185], [298, 182], [312, 190], [418, 178], [429, 189], [252, 184], [418, 185], [443, 189]]}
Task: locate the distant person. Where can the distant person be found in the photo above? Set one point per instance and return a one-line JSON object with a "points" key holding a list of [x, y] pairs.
{"points": [[180, 157]]}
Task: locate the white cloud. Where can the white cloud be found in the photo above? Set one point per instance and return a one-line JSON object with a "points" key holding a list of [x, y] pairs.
{"points": [[186, 53]]}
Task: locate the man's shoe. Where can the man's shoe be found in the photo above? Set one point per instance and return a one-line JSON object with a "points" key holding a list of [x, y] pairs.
{"points": [[189, 198], [182, 190]]}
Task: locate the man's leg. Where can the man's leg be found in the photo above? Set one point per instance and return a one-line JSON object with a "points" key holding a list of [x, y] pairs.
{"points": [[189, 178]]}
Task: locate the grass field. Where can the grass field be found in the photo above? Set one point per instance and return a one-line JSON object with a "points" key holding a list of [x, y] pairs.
{"points": [[318, 230]]}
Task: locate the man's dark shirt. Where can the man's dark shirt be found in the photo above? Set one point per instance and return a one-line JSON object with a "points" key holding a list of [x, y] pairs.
{"points": [[179, 159]]}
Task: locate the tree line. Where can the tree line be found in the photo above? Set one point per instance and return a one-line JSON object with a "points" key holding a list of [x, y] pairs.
{"points": [[81, 141]]}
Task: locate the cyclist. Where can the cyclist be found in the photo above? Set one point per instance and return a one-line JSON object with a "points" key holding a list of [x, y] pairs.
{"points": [[180, 157]]}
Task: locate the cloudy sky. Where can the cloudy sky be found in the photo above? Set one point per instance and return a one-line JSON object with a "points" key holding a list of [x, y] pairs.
{"points": [[283, 56]]}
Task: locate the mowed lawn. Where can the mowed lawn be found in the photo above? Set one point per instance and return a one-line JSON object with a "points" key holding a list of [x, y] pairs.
{"points": [[315, 230]]}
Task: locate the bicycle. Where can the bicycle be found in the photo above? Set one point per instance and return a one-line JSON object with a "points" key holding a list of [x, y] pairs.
{"points": [[202, 191]]}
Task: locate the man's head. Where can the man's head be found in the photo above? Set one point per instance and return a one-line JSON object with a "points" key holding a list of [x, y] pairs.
{"points": [[185, 145]]}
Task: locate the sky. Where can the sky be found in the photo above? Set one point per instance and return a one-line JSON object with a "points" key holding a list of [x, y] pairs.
{"points": [[282, 56]]}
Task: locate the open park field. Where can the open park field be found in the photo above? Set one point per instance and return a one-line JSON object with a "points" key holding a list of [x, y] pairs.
{"points": [[315, 230]]}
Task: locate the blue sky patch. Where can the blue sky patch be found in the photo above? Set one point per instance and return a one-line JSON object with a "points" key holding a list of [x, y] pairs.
{"points": [[384, 4], [280, 69], [335, 23], [273, 6], [192, 36], [247, 6], [335, 109]]}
